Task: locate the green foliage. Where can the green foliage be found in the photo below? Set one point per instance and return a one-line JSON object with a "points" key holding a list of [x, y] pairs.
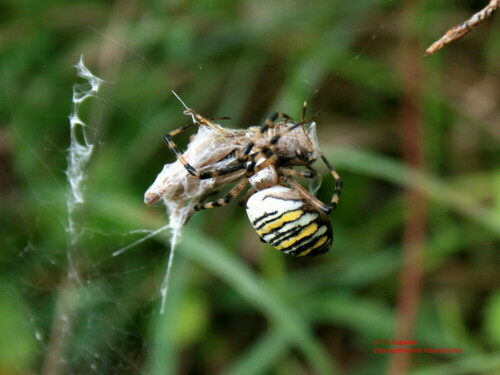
{"points": [[235, 305]]}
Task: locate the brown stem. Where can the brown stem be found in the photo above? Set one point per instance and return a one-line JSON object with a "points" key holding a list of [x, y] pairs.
{"points": [[460, 30], [415, 202], [61, 328]]}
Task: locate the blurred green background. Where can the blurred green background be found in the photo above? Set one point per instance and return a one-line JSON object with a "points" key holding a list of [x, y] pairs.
{"points": [[415, 139]]}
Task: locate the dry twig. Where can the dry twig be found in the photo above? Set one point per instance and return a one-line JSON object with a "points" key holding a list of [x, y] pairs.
{"points": [[460, 30]]}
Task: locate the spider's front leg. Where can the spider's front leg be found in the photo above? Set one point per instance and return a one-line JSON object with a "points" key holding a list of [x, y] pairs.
{"points": [[192, 170], [171, 145], [267, 150], [197, 120], [338, 184], [268, 124]]}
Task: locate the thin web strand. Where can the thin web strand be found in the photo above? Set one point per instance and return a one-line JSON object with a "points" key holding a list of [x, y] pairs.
{"points": [[142, 239]]}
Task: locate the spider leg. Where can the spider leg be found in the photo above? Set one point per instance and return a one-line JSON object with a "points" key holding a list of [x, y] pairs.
{"points": [[338, 184], [226, 198], [249, 193], [200, 120], [268, 150], [269, 159], [268, 124], [311, 198], [196, 173], [171, 145], [277, 137], [222, 171], [311, 173]]}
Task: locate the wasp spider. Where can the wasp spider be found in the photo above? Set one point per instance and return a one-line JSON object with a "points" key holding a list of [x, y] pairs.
{"points": [[284, 214]]}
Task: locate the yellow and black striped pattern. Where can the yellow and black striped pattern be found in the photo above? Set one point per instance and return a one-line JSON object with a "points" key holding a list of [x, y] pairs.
{"points": [[285, 220]]}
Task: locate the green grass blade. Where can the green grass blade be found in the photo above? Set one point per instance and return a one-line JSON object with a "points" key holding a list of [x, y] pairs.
{"points": [[260, 358], [213, 257], [390, 170], [480, 364]]}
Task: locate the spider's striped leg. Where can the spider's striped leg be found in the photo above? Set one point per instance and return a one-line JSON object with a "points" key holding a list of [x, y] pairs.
{"points": [[229, 169], [277, 137], [200, 120], [338, 184], [269, 159], [268, 124], [226, 198], [306, 195], [310, 173], [171, 145], [266, 150], [205, 174], [249, 193]]}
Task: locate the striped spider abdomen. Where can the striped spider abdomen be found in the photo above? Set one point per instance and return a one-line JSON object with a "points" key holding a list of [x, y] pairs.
{"points": [[286, 220]]}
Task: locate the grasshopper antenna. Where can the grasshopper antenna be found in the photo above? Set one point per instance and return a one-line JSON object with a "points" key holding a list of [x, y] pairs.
{"points": [[177, 96], [184, 104]]}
